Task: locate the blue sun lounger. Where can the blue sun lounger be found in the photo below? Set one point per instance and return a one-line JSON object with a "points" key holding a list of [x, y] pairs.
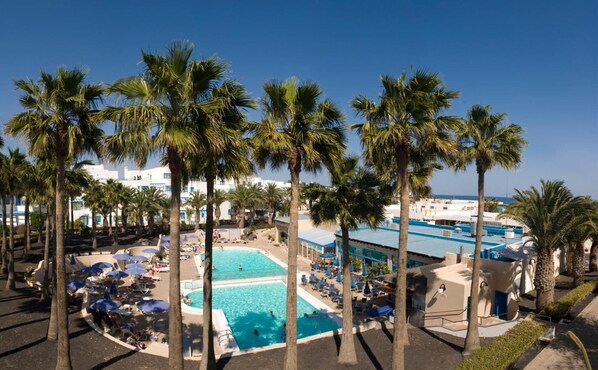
{"points": [[380, 311]]}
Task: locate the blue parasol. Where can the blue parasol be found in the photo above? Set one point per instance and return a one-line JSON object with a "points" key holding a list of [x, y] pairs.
{"points": [[134, 265], [73, 285], [364, 269], [339, 277], [73, 262], [166, 238], [104, 304], [351, 266], [148, 306], [335, 262], [353, 285], [139, 258], [328, 272], [150, 250], [185, 238], [316, 266], [165, 244], [103, 265], [106, 293], [116, 274], [135, 271], [121, 257], [327, 255], [91, 270], [366, 288]]}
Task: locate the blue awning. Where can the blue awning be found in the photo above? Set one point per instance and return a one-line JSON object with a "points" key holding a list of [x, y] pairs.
{"points": [[319, 237]]}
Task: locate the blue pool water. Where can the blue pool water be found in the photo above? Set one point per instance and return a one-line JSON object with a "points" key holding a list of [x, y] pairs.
{"points": [[254, 264], [248, 307]]}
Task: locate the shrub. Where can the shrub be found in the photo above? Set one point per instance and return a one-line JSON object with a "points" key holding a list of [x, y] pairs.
{"points": [[505, 349], [560, 308]]}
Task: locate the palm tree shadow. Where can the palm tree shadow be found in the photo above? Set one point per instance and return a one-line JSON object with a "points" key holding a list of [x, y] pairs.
{"points": [[369, 352], [440, 339], [113, 360]]}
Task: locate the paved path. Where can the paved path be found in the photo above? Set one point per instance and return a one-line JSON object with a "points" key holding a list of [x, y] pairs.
{"points": [[562, 353]]}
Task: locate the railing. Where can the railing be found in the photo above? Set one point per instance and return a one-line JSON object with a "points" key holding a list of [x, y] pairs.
{"points": [[445, 322]]}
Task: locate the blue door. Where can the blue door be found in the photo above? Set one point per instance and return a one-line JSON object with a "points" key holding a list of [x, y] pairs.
{"points": [[501, 304]]}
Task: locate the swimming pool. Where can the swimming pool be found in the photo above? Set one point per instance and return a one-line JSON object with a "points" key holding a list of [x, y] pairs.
{"points": [[253, 262], [247, 308]]}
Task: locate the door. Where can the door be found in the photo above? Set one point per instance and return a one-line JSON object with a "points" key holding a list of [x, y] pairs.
{"points": [[501, 304]]}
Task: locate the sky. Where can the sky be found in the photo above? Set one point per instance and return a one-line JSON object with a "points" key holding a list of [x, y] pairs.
{"points": [[537, 61]]}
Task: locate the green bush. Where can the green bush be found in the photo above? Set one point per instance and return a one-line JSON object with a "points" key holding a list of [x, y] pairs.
{"points": [[560, 308], [504, 349]]}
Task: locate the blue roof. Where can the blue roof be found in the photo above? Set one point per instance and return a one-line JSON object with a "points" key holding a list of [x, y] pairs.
{"points": [[423, 240], [318, 237]]}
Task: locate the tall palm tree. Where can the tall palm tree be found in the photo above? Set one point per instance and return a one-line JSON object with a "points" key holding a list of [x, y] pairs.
{"points": [[301, 131], [3, 196], [15, 166], [356, 196], [255, 199], [219, 198], [76, 178], [124, 199], [111, 195], [272, 196], [196, 200], [157, 116], [486, 142], [93, 198], [406, 120], [548, 213], [57, 123]]}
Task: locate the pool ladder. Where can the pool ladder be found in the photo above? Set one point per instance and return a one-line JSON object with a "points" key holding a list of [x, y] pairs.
{"points": [[224, 334]]}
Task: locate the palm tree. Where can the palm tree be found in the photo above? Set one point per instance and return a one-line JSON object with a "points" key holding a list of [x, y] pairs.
{"points": [[356, 197], [93, 198], [548, 213], [485, 141], [15, 166], [3, 196], [111, 196], [225, 124], [585, 223], [405, 121], [57, 123], [299, 131], [272, 197], [240, 197], [219, 198], [157, 116], [124, 198], [255, 198], [196, 200]]}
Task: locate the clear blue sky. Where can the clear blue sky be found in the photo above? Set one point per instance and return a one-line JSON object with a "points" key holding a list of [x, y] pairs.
{"points": [[535, 60]]}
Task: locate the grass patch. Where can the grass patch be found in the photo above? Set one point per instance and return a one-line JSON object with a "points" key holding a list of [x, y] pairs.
{"points": [[560, 308], [505, 349]]}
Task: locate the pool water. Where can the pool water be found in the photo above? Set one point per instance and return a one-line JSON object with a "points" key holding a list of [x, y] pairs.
{"points": [[254, 264], [247, 307]]}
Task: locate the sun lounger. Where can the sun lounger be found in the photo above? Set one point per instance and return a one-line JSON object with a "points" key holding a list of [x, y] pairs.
{"points": [[380, 311]]}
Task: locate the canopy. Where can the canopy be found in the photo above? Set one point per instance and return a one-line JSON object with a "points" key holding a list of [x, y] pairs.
{"points": [[121, 257], [104, 304], [318, 237], [148, 306], [117, 274], [103, 265], [91, 270]]}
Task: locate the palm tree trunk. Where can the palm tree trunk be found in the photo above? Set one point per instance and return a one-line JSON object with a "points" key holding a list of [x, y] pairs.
{"points": [[72, 215], [110, 222], [94, 238], [10, 281], [291, 330], [400, 330], [115, 235], [196, 219], [39, 234], [472, 340], [27, 247], [64, 356], [175, 318], [52, 334], [594, 256], [4, 269], [217, 214], [346, 354], [578, 264], [570, 253], [241, 216], [270, 215], [208, 356], [544, 277], [46, 283], [139, 231]]}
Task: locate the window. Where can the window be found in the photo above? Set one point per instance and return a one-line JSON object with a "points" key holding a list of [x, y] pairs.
{"points": [[167, 175], [144, 187], [191, 189], [185, 189], [167, 188]]}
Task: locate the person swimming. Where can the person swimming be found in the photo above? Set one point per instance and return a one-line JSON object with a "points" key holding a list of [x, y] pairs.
{"points": [[255, 332], [240, 267], [272, 313]]}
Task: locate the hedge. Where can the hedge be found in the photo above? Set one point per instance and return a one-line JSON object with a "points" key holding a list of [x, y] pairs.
{"points": [[560, 308], [505, 349]]}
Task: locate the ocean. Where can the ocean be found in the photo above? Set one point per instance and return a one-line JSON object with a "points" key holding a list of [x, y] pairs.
{"points": [[505, 200]]}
